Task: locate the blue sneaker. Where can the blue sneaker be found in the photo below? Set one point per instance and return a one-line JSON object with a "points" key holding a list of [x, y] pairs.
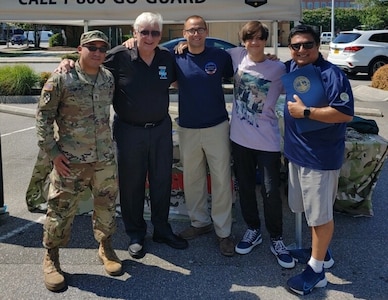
{"points": [[303, 256], [251, 238], [281, 253], [305, 282]]}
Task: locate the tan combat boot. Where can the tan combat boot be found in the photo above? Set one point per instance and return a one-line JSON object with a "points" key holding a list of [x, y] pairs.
{"points": [[53, 276], [108, 257]]}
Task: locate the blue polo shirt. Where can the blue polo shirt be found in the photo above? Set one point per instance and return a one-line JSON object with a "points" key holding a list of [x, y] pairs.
{"points": [[201, 96], [321, 149]]}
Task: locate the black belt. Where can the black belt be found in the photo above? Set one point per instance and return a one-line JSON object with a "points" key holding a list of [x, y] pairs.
{"points": [[146, 125]]}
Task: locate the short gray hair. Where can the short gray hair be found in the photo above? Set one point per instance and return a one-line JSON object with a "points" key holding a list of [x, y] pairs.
{"points": [[148, 18]]}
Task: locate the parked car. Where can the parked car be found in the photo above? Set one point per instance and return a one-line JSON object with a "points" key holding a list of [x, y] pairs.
{"points": [[44, 35], [325, 37], [210, 42], [359, 51], [18, 39]]}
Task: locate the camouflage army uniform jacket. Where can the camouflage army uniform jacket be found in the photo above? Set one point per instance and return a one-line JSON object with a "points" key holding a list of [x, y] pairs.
{"points": [[81, 108]]}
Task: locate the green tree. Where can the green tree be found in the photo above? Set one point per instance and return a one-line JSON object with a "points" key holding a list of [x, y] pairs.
{"points": [[374, 14], [344, 18], [317, 17]]}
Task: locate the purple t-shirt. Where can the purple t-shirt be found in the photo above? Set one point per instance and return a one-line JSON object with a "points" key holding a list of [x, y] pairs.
{"points": [[257, 87]]}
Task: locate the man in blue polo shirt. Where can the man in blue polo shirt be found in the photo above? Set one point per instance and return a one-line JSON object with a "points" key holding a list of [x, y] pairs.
{"points": [[315, 157], [204, 135]]}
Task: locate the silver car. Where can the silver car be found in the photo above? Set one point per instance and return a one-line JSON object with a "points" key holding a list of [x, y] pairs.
{"points": [[359, 51]]}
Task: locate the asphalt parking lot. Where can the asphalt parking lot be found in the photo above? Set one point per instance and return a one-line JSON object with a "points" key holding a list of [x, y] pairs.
{"points": [[199, 272]]}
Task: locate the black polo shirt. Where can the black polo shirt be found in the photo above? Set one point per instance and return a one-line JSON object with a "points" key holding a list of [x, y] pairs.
{"points": [[142, 91]]}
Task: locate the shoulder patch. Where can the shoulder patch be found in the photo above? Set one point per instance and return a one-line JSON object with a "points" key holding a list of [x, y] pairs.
{"points": [[344, 97], [48, 86]]}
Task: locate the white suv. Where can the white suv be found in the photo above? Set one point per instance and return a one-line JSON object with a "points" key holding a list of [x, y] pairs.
{"points": [[359, 51]]}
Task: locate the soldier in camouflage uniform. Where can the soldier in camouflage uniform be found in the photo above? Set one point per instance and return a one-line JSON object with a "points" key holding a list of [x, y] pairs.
{"points": [[83, 156]]}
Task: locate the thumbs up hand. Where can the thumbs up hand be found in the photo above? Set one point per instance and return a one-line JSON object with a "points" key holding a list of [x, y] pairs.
{"points": [[296, 109]]}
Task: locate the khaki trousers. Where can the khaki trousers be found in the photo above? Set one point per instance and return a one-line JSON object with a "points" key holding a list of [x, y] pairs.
{"points": [[207, 150]]}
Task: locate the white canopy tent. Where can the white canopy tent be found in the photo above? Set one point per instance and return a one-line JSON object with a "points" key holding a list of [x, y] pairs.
{"points": [[121, 12], [116, 12]]}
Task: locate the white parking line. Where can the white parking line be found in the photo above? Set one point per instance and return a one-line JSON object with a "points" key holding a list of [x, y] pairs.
{"points": [[17, 131], [23, 228]]}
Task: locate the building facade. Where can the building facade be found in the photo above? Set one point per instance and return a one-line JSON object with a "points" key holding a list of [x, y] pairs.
{"points": [[323, 4]]}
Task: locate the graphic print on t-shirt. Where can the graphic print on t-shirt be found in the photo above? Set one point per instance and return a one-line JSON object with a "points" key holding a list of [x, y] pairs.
{"points": [[250, 93]]}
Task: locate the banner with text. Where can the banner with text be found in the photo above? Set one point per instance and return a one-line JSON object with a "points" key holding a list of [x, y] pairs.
{"points": [[104, 12]]}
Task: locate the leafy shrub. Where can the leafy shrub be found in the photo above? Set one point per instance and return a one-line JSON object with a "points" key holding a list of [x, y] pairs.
{"points": [[56, 40], [127, 36], [380, 78], [43, 78], [73, 56], [17, 80]]}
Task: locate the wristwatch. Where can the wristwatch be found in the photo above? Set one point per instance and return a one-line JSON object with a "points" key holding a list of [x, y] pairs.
{"points": [[306, 112]]}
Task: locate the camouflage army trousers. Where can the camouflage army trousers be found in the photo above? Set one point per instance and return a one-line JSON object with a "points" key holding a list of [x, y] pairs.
{"points": [[64, 195]]}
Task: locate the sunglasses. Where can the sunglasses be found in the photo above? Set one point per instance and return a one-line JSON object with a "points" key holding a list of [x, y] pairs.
{"points": [[307, 45], [154, 33], [93, 48]]}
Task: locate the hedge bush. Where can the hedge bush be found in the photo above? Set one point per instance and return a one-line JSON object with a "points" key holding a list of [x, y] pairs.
{"points": [[73, 56], [17, 80], [56, 40], [380, 78]]}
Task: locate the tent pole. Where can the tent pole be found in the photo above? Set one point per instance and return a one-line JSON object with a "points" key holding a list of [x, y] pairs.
{"points": [[86, 25]]}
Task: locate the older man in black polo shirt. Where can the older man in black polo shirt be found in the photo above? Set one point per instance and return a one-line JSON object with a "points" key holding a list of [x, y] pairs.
{"points": [[143, 132]]}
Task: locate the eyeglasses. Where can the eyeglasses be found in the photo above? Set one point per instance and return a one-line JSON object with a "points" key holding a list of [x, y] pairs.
{"points": [[307, 45], [93, 48], [192, 31], [154, 33]]}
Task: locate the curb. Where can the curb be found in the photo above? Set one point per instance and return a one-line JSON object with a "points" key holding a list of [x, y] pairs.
{"points": [[6, 107], [17, 110], [19, 99]]}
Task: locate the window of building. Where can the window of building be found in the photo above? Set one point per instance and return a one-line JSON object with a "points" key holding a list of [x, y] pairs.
{"points": [[316, 4]]}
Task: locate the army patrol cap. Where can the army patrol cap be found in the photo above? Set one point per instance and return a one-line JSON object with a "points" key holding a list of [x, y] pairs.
{"points": [[94, 36]]}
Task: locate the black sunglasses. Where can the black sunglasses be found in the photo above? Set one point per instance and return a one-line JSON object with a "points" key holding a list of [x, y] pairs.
{"points": [[154, 33], [307, 45], [93, 48]]}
